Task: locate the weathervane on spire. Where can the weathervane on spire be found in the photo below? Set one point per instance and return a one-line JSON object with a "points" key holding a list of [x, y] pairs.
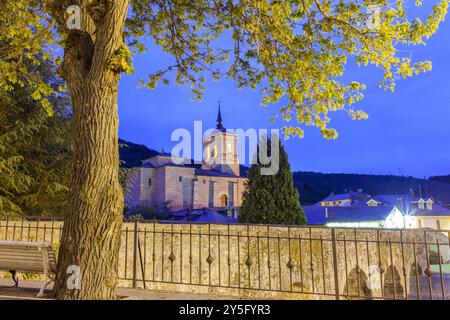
{"points": [[219, 119]]}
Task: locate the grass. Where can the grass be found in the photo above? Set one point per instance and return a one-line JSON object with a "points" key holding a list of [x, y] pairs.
{"points": [[445, 268]]}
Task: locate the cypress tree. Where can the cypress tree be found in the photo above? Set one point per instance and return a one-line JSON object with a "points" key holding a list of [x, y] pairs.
{"points": [[271, 199]]}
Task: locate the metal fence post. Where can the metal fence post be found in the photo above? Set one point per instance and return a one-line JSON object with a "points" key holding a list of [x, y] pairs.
{"points": [[135, 244], [335, 263]]}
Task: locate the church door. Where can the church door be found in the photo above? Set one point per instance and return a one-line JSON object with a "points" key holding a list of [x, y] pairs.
{"points": [[224, 200]]}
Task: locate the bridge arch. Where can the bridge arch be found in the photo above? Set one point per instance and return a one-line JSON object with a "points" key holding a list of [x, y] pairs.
{"points": [[356, 286], [393, 287]]}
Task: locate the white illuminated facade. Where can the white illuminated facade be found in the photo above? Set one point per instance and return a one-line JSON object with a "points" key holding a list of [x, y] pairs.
{"points": [[359, 210]]}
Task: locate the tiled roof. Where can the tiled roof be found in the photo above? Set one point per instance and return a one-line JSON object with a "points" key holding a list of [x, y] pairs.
{"points": [[358, 214], [170, 164], [336, 197], [437, 211], [318, 215], [164, 154], [315, 214], [215, 173], [198, 171], [354, 196], [394, 198]]}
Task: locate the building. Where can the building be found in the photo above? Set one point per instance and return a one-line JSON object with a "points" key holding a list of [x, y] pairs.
{"points": [[381, 211], [168, 183], [345, 199]]}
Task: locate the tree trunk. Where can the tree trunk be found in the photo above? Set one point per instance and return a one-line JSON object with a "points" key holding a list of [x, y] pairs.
{"points": [[93, 220], [92, 225]]}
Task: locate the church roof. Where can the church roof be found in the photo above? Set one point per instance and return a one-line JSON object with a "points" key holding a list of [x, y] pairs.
{"points": [[163, 154], [215, 173], [198, 171]]}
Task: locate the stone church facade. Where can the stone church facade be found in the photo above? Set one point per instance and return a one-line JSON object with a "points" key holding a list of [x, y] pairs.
{"points": [[162, 183]]}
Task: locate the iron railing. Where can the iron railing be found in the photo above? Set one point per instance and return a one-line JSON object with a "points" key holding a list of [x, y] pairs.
{"points": [[271, 261]]}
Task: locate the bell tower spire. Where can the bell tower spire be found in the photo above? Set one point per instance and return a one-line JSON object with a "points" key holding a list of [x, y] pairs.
{"points": [[219, 125]]}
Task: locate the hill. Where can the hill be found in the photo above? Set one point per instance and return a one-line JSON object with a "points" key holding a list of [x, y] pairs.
{"points": [[445, 179], [131, 154], [314, 186]]}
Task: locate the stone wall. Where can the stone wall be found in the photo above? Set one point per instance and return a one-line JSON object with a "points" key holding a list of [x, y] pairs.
{"points": [[276, 262], [259, 261]]}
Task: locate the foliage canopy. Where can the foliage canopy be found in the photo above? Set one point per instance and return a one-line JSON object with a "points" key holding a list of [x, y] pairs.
{"points": [[295, 51]]}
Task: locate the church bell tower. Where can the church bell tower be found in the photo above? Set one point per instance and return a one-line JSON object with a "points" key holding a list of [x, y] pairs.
{"points": [[220, 149]]}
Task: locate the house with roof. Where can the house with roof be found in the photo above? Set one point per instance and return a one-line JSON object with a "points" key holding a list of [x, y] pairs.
{"points": [[168, 183], [345, 199], [380, 211]]}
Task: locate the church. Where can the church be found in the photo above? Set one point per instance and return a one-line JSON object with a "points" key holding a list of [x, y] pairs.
{"points": [[163, 184]]}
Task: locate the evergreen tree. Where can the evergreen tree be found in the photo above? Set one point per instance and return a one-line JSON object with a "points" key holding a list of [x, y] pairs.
{"points": [[271, 199], [35, 150]]}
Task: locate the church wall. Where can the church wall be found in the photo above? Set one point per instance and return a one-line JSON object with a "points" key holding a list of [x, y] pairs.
{"points": [[133, 188], [158, 187], [179, 194], [168, 192], [240, 187], [146, 189], [201, 192], [139, 193], [221, 187]]}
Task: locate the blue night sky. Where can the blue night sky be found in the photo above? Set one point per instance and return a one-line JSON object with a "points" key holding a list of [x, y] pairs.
{"points": [[407, 133]]}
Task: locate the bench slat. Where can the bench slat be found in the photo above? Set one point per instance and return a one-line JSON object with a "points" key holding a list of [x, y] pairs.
{"points": [[30, 253], [22, 267], [25, 247], [26, 256], [18, 257]]}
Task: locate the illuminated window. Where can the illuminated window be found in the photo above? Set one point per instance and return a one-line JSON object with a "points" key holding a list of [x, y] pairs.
{"points": [[215, 151], [208, 154], [229, 148]]}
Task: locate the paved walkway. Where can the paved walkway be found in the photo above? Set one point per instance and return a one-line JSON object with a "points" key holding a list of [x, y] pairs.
{"points": [[28, 290]]}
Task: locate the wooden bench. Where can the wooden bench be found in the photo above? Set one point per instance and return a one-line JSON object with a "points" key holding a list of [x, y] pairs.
{"points": [[29, 257]]}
